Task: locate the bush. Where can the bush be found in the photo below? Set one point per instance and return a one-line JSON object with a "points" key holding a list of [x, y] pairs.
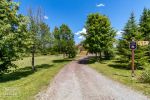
{"points": [[72, 53], [145, 77]]}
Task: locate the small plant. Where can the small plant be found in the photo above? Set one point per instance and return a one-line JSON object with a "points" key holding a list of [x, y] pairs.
{"points": [[145, 77]]}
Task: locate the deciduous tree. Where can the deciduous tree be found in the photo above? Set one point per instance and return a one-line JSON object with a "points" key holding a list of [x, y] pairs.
{"points": [[13, 34], [100, 35]]}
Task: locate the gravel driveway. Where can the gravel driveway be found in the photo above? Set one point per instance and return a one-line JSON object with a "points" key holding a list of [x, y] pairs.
{"points": [[76, 81]]}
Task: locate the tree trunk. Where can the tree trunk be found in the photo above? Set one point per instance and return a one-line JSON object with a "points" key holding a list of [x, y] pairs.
{"points": [[149, 51], [96, 56], [63, 55], [59, 47], [100, 55], [87, 53], [33, 52], [107, 56]]}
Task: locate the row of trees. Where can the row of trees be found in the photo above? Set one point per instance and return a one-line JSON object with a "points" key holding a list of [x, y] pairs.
{"points": [[140, 32], [100, 36], [28, 35]]}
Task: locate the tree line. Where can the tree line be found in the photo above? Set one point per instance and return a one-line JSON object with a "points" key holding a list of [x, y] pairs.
{"points": [[100, 39], [29, 35], [140, 32]]}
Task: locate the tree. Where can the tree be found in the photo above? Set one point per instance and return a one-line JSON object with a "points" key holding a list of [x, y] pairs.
{"points": [[67, 41], [131, 31], [45, 38], [13, 34], [145, 27], [145, 24], [109, 51], [100, 35], [57, 36], [34, 30]]}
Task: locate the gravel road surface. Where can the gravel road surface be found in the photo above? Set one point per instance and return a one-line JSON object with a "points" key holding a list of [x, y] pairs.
{"points": [[77, 81]]}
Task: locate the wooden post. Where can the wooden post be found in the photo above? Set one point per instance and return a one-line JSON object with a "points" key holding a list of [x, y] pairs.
{"points": [[133, 47], [133, 74]]}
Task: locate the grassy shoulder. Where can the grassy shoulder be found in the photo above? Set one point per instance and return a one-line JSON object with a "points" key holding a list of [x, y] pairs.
{"points": [[23, 84], [118, 73]]}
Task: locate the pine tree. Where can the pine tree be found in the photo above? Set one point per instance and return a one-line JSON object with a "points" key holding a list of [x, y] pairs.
{"points": [[131, 31], [145, 24], [145, 27]]}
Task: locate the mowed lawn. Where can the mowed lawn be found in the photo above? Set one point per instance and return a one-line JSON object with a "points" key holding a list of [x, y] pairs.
{"points": [[24, 84], [122, 75]]}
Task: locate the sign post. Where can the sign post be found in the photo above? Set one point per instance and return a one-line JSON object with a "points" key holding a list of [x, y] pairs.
{"points": [[133, 47], [132, 63]]}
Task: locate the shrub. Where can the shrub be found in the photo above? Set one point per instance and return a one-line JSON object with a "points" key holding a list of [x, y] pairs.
{"points": [[145, 76]]}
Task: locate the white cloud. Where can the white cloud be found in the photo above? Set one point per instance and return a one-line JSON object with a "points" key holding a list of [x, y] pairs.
{"points": [[81, 37], [45, 17], [80, 34], [83, 31], [100, 5], [119, 34]]}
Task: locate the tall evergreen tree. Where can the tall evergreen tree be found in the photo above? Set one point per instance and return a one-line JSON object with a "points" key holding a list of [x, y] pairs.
{"points": [[145, 24], [131, 31], [145, 27]]}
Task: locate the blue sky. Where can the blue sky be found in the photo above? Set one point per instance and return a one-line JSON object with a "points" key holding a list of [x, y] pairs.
{"points": [[74, 12]]}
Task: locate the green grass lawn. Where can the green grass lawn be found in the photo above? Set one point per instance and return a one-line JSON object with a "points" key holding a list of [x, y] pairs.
{"points": [[123, 75], [24, 84]]}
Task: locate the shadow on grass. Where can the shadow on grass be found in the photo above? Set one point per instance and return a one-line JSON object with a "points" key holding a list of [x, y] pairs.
{"points": [[88, 60], [121, 75], [22, 72], [61, 60], [119, 66]]}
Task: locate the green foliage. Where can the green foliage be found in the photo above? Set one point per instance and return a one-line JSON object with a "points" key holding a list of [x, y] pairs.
{"points": [[145, 27], [64, 41], [100, 35], [131, 31], [40, 36], [57, 40], [34, 30], [145, 77], [45, 38], [13, 34], [145, 24]]}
